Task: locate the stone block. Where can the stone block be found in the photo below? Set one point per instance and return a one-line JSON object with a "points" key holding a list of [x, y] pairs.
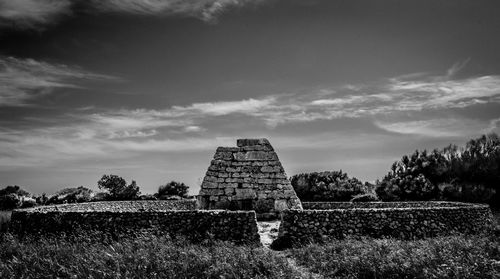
{"points": [[264, 181], [228, 149], [227, 156], [233, 169], [275, 169], [250, 169], [229, 191], [244, 194], [280, 205], [251, 142], [255, 156], [210, 178], [212, 192], [228, 185], [207, 184]]}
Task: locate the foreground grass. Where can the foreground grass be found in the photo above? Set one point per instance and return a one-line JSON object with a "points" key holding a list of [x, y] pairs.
{"points": [[444, 257], [139, 258]]}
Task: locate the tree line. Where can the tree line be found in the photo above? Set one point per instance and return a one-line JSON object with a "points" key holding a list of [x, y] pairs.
{"points": [[114, 188], [470, 173]]}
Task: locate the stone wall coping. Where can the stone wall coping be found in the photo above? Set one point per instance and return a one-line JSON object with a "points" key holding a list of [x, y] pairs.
{"points": [[388, 209], [390, 205], [109, 206]]}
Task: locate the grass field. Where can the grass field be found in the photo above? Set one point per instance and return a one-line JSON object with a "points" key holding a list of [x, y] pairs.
{"points": [[445, 257]]}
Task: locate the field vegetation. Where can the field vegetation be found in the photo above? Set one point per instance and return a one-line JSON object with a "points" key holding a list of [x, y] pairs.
{"points": [[151, 257]]}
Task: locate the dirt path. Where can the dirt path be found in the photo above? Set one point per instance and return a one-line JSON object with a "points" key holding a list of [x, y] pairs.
{"points": [[268, 231]]}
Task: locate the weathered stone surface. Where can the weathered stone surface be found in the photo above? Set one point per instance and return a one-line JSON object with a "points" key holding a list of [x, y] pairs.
{"points": [[251, 142], [136, 218], [226, 156], [404, 220], [255, 156], [254, 176]]}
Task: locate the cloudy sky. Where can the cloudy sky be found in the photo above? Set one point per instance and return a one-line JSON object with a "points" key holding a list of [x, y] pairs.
{"points": [[147, 89]]}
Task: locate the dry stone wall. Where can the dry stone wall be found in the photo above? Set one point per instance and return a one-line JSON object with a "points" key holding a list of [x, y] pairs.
{"points": [[403, 221], [248, 177], [195, 225]]}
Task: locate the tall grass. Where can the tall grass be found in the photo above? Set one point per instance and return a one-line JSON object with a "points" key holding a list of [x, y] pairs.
{"points": [[444, 257], [4, 220], [137, 258]]}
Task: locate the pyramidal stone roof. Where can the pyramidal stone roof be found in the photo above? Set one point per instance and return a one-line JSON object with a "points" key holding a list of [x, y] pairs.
{"points": [[248, 177]]}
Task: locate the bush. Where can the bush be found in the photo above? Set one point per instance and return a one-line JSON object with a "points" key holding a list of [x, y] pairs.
{"points": [[327, 186], [14, 190], [28, 202], [118, 189], [10, 201], [101, 196], [408, 188], [470, 174], [173, 188], [71, 195]]}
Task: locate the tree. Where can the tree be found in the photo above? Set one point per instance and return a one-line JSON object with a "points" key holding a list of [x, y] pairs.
{"points": [[173, 188], [14, 190], [117, 187], [470, 173]]}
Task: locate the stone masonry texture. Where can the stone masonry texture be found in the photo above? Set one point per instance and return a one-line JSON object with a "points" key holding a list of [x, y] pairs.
{"points": [[126, 219], [248, 177], [405, 220]]}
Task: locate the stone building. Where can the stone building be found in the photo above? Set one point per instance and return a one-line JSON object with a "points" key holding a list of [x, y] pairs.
{"points": [[248, 177]]}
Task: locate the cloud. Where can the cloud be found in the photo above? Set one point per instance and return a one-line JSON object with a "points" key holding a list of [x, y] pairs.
{"points": [[249, 106], [206, 10], [90, 133], [35, 14], [32, 13], [408, 94], [25, 79], [457, 67], [450, 127]]}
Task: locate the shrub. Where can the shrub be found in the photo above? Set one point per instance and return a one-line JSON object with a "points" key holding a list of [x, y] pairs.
{"points": [[71, 195], [327, 186], [14, 190], [118, 188], [173, 188], [28, 202], [470, 173], [407, 188], [101, 196], [10, 201]]}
